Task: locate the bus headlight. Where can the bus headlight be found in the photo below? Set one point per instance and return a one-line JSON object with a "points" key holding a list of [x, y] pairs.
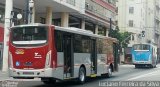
{"points": [[48, 59], [10, 60]]}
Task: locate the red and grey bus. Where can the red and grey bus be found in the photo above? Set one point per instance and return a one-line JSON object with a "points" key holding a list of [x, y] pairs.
{"points": [[57, 53]]}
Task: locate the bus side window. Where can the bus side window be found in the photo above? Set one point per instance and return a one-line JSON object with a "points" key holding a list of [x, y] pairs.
{"points": [[78, 43], [86, 45]]}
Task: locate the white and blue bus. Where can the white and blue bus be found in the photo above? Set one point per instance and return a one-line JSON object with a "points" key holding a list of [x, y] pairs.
{"points": [[144, 55]]}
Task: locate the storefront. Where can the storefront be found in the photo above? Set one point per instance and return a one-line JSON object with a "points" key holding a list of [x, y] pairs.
{"points": [[128, 55]]}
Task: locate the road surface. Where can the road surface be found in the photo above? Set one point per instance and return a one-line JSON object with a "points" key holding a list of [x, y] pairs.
{"points": [[125, 73]]}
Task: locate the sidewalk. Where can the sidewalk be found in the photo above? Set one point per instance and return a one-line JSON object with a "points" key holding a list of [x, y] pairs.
{"points": [[4, 75]]}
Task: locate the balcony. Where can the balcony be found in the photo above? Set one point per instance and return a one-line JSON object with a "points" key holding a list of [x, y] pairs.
{"points": [[92, 10], [57, 5], [71, 2], [77, 5]]}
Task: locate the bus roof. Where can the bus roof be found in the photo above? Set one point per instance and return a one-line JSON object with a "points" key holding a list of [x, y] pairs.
{"points": [[71, 30]]}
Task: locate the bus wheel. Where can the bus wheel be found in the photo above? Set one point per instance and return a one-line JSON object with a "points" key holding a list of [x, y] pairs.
{"points": [[136, 66], [109, 73], [151, 66], [82, 75], [155, 66], [48, 80]]}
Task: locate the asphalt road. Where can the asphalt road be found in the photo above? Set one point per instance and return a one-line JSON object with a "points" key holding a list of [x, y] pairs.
{"points": [[125, 73]]}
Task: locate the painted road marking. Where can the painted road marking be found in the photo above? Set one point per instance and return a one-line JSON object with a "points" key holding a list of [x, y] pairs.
{"points": [[145, 75]]}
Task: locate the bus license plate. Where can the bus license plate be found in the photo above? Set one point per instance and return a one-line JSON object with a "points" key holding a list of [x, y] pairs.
{"points": [[28, 73]]}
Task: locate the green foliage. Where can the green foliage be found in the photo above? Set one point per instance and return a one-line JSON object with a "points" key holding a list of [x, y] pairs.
{"points": [[123, 37]]}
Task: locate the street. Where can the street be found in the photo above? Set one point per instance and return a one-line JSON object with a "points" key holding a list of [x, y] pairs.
{"points": [[125, 73]]}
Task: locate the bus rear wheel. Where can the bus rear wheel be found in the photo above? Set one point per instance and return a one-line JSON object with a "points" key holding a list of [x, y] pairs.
{"points": [[82, 75], [109, 73]]}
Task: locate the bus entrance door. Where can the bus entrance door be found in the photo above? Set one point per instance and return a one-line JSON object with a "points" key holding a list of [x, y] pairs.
{"points": [[68, 56], [93, 57]]}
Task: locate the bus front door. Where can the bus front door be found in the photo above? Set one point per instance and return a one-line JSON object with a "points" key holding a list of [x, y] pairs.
{"points": [[68, 56], [93, 57]]}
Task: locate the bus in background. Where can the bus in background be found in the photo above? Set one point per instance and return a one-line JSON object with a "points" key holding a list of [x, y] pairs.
{"points": [[57, 53], [144, 55]]}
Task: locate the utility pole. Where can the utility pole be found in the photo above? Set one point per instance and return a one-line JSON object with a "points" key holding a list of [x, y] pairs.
{"points": [[7, 25], [29, 14], [110, 29], [26, 12]]}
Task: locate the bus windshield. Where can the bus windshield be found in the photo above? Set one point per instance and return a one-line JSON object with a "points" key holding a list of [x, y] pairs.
{"points": [[141, 47], [23, 36]]}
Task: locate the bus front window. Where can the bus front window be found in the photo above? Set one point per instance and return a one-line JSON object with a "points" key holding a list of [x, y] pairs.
{"points": [[29, 35], [141, 47]]}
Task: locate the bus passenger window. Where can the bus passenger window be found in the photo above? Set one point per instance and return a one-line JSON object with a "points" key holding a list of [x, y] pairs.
{"points": [[78, 44]]}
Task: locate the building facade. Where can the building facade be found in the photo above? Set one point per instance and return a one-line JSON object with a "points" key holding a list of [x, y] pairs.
{"points": [[83, 14], [138, 17], [93, 15]]}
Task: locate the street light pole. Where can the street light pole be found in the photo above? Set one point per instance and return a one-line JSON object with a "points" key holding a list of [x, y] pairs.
{"points": [[31, 6], [110, 29], [26, 12]]}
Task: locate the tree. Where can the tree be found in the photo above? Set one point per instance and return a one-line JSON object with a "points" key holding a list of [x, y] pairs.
{"points": [[123, 37]]}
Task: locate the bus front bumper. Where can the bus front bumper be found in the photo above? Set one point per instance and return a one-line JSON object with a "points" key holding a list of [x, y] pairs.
{"points": [[30, 73], [142, 62]]}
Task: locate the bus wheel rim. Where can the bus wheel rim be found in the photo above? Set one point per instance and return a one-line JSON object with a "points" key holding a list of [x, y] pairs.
{"points": [[82, 76], [109, 72]]}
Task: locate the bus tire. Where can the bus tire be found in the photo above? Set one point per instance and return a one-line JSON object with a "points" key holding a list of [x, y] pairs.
{"points": [[109, 73], [82, 75], [151, 66], [48, 80], [155, 66], [136, 66]]}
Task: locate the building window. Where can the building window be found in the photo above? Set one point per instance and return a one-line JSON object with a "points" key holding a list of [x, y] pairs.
{"points": [[90, 26], [57, 21], [89, 6], [132, 37], [131, 10], [74, 21], [130, 23], [101, 30], [42, 20]]}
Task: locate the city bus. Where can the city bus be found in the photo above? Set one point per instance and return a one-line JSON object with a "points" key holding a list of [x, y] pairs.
{"points": [[58, 53], [144, 55]]}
